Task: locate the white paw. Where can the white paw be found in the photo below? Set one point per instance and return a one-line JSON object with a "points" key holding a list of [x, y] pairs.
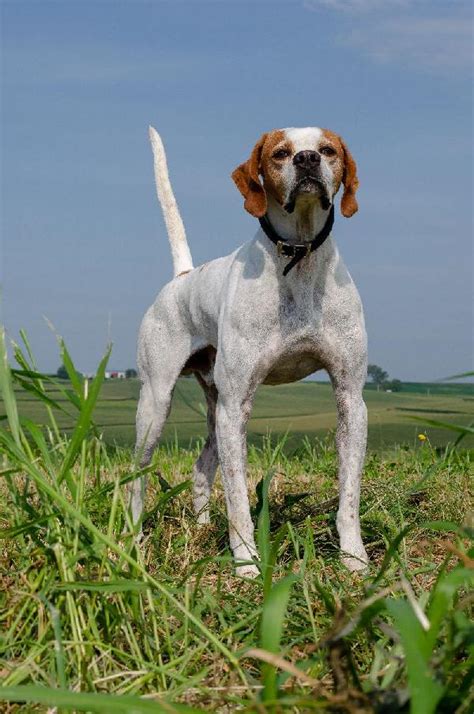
{"points": [[137, 537], [247, 571], [356, 562], [203, 518]]}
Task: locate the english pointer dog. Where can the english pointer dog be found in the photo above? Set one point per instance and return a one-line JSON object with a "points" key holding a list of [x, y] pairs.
{"points": [[277, 309]]}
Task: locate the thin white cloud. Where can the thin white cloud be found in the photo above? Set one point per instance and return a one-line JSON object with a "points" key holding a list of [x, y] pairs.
{"points": [[437, 44], [417, 34], [358, 6]]}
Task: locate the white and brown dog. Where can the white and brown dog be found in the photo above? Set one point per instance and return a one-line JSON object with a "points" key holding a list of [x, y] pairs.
{"points": [[274, 311]]}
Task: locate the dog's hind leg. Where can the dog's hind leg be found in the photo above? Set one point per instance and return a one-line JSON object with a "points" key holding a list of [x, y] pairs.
{"points": [[151, 416], [206, 466], [158, 378]]}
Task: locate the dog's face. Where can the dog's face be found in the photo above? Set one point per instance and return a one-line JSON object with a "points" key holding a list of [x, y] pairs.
{"points": [[298, 165]]}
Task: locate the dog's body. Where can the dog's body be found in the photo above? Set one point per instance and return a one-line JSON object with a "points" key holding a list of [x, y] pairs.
{"points": [[237, 322]]}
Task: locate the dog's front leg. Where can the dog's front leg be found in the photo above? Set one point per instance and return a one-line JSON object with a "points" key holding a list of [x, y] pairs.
{"points": [[351, 440], [232, 416]]}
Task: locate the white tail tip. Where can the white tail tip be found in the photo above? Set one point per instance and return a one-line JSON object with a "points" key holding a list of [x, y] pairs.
{"points": [[182, 261]]}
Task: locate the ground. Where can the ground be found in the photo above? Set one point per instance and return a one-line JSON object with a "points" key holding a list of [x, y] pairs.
{"points": [[83, 610]]}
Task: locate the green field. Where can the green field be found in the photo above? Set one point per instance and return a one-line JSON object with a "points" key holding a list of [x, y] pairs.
{"points": [[301, 409]]}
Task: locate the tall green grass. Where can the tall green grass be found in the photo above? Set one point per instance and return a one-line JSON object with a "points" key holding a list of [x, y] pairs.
{"points": [[90, 622]]}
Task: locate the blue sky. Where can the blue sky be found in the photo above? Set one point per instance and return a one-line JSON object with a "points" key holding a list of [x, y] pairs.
{"points": [[83, 239]]}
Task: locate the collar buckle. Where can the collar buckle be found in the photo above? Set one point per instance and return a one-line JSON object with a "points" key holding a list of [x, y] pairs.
{"points": [[296, 252]]}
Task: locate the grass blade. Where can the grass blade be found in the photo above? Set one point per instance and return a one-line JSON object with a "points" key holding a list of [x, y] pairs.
{"points": [[458, 376], [425, 691], [263, 534], [443, 596], [118, 586], [91, 702], [271, 629], [84, 420], [458, 428], [6, 388]]}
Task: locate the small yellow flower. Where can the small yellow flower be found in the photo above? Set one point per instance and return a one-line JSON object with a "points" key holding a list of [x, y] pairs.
{"points": [[422, 437]]}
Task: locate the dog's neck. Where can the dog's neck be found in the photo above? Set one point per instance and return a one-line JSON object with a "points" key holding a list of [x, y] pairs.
{"points": [[301, 226]]}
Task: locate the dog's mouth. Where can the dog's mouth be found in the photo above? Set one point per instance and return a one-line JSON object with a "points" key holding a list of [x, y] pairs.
{"points": [[308, 185]]}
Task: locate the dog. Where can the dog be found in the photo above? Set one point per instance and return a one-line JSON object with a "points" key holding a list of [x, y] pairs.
{"points": [[277, 309]]}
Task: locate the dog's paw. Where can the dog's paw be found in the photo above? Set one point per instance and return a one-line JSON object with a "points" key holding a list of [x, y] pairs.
{"points": [[356, 562], [137, 537], [247, 571], [203, 518]]}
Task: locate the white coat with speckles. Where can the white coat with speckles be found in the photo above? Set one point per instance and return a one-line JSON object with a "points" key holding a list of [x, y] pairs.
{"points": [[237, 322]]}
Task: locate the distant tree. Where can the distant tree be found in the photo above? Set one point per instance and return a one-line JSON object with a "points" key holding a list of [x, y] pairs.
{"points": [[62, 372], [131, 373], [395, 385], [377, 375]]}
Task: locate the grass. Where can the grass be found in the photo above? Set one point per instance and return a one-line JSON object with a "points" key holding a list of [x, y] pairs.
{"points": [[91, 623]]}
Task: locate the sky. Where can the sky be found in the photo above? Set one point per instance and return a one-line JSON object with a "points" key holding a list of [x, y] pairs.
{"points": [[84, 246]]}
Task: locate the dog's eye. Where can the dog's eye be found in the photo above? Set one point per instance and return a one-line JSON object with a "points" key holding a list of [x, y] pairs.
{"points": [[281, 154], [327, 151]]}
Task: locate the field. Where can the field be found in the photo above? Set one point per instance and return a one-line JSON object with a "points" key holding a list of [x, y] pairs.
{"points": [[91, 622], [296, 410]]}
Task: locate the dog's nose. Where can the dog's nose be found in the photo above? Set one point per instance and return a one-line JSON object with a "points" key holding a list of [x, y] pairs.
{"points": [[307, 159]]}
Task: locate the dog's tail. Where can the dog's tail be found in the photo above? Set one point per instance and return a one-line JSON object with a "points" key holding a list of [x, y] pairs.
{"points": [[182, 260]]}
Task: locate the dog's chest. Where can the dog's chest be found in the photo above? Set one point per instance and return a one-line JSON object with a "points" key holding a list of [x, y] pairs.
{"points": [[298, 336], [301, 307]]}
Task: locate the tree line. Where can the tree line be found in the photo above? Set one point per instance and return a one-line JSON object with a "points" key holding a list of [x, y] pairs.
{"points": [[381, 379]]}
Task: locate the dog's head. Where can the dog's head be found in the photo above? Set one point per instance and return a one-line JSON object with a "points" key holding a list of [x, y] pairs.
{"points": [[298, 165]]}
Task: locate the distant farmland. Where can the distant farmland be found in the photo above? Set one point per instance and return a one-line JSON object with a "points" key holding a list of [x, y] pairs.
{"points": [[301, 409]]}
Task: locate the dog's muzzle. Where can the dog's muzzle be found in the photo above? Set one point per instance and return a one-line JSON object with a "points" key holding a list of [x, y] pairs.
{"points": [[308, 185]]}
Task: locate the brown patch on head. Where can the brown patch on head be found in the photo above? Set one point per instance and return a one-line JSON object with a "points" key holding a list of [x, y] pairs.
{"points": [[345, 171], [271, 166], [247, 176]]}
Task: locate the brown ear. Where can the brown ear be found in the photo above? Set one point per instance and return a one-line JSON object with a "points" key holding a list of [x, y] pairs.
{"points": [[246, 178], [351, 184]]}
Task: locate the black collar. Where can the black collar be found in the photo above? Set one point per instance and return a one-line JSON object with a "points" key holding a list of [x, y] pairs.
{"points": [[299, 251]]}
